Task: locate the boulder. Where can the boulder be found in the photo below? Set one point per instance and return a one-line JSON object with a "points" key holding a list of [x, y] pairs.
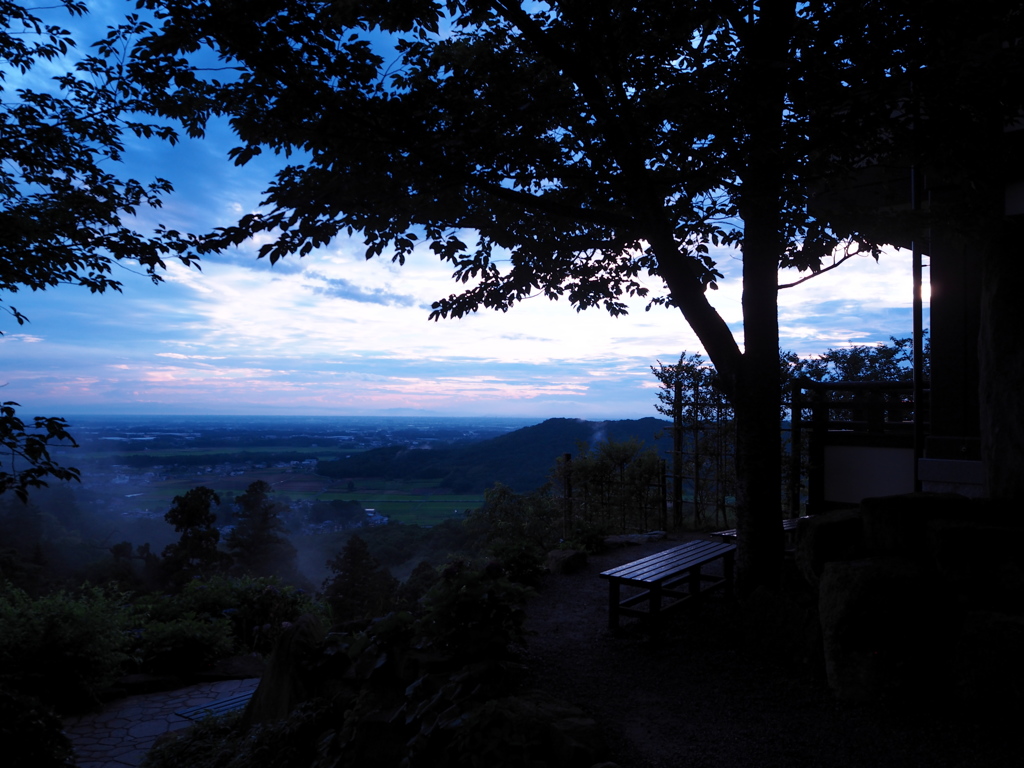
{"points": [[290, 678], [886, 631], [566, 561], [821, 539], [897, 526]]}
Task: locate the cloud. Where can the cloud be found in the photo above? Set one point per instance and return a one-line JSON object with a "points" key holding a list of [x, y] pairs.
{"points": [[179, 356], [340, 288]]}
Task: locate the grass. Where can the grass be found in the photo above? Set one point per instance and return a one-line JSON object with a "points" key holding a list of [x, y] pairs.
{"points": [[413, 502]]}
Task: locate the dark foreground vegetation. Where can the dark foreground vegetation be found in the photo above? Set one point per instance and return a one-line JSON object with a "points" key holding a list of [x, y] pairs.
{"points": [[440, 669], [348, 649]]}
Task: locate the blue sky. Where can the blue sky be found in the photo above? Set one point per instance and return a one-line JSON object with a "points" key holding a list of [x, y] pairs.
{"points": [[335, 334]]}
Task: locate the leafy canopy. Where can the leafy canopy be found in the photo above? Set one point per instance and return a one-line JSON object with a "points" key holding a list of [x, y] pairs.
{"points": [[581, 147], [66, 217]]}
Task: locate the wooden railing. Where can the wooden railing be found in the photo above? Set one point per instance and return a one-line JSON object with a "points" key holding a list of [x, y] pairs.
{"points": [[867, 414]]}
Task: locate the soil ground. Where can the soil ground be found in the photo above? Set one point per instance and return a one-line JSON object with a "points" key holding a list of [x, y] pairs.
{"points": [[719, 690]]}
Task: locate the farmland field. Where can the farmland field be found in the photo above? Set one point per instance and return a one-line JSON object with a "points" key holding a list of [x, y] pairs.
{"points": [[411, 502], [134, 467], [324, 453]]}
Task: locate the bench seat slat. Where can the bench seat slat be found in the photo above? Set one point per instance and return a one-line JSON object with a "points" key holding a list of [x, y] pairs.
{"points": [[671, 561], [219, 707], [661, 573]]}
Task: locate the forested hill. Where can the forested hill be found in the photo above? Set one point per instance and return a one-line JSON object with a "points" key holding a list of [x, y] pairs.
{"points": [[522, 459]]}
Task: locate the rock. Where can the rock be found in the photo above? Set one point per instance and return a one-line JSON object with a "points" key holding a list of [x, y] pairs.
{"points": [[824, 538], [632, 539], [289, 679], [897, 526], [566, 561], [886, 632]]}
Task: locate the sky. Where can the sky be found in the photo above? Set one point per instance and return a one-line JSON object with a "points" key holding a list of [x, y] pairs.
{"points": [[333, 333]]}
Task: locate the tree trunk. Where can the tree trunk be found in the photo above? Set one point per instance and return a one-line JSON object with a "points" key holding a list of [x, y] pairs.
{"points": [[757, 389]]}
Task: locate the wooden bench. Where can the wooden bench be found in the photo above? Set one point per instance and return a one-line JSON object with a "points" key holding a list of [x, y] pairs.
{"points": [[219, 707], [660, 577], [788, 529]]}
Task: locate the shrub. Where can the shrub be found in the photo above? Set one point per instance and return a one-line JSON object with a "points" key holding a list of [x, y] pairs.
{"points": [[506, 516], [521, 561], [65, 647], [256, 607], [474, 614], [183, 645]]}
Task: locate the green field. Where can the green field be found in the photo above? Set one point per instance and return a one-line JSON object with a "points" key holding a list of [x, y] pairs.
{"points": [[409, 501], [412, 502]]}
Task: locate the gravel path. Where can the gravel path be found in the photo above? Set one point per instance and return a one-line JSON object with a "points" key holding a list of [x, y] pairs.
{"points": [[715, 692]]}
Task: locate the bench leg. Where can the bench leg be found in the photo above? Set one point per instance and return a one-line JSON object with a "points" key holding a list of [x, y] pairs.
{"points": [[694, 583], [613, 605], [728, 566]]}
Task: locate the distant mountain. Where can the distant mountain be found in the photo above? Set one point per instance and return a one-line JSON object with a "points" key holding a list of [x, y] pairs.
{"points": [[522, 459]]}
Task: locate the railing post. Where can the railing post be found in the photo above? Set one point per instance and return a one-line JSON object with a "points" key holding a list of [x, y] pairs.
{"points": [[796, 406], [567, 490], [816, 453], [664, 496]]}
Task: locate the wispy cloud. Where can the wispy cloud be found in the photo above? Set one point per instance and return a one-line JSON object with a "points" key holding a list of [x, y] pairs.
{"points": [[178, 356], [340, 288]]}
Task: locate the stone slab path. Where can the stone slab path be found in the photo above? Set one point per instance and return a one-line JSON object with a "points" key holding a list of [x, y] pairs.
{"points": [[123, 732]]}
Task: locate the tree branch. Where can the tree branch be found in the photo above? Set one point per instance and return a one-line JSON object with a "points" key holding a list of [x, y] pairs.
{"points": [[829, 268]]}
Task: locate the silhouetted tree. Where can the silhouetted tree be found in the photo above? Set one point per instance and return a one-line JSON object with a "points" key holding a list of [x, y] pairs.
{"points": [[256, 542], [862, 362], [360, 587], [687, 394], [196, 552]]}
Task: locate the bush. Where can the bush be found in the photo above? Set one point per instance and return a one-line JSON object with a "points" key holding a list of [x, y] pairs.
{"points": [[183, 645], [256, 607], [474, 614], [521, 561], [65, 647]]}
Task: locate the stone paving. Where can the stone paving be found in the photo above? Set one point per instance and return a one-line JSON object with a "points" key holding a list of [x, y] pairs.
{"points": [[123, 732]]}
